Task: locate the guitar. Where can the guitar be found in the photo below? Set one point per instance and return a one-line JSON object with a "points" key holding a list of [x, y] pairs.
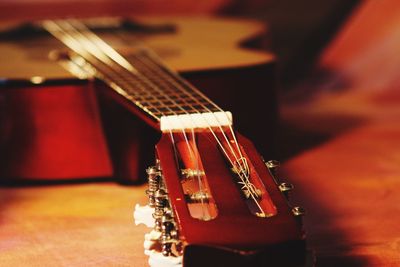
{"points": [[211, 195], [43, 107]]}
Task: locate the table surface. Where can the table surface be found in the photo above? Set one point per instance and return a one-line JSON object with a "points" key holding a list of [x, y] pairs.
{"points": [[71, 225]]}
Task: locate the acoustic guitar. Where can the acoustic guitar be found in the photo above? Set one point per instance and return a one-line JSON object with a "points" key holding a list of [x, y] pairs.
{"points": [[55, 126], [211, 195]]}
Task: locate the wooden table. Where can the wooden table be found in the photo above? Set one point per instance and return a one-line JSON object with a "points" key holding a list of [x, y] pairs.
{"points": [[71, 225]]}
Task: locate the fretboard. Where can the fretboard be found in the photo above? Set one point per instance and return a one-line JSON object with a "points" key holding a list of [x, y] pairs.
{"points": [[144, 79]]}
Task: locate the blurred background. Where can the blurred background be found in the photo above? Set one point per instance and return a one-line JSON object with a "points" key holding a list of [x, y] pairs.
{"points": [[298, 29]]}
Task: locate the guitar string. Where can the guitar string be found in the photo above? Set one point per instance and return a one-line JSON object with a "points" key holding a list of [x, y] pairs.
{"points": [[68, 40], [131, 69], [244, 172], [147, 72], [187, 87], [174, 84], [154, 59], [246, 184], [115, 56], [186, 139], [170, 77]]}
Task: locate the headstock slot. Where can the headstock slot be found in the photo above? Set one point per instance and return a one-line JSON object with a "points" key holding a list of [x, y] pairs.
{"points": [[197, 192], [244, 175], [194, 179]]}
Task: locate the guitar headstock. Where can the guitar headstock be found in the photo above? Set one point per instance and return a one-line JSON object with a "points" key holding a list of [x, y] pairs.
{"points": [[214, 195]]}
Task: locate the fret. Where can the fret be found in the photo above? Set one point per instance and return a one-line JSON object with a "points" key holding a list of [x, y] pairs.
{"points": [[144, 79]]}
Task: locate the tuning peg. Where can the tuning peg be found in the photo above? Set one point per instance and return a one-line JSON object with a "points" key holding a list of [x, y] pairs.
{"points": [[299, 212], [286, 188], [154, 183], [272, 165]]}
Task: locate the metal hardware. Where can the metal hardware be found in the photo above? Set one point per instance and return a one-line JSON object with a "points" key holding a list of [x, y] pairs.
{"points": [[161, 202], [191, 173], [168, 234], [168, 238], [198, 197], [254, 191], [286, 188], [154, 179], [298, 211], [272, 165]]}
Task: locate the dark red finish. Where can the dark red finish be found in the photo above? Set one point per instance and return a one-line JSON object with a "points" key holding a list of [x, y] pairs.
{"points": [[234, 227], [54, 131], [76, 139], [51, 132]]}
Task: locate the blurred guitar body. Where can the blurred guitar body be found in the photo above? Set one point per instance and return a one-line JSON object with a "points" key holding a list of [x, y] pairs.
{"points": [[54, 126]]}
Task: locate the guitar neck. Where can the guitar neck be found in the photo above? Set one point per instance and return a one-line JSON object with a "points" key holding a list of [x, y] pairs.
{"points": [[143, 80]]}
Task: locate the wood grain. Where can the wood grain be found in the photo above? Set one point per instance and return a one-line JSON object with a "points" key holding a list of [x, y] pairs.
{"points": [[71, 225]]}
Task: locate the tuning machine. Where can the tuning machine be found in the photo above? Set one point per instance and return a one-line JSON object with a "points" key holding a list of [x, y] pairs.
{"points": [[286, 188], [165, 233], [272, 166], [154, 177], [299, 212]]}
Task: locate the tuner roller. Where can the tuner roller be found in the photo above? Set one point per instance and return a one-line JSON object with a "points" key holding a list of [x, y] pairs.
{"points": [[189, 174]]}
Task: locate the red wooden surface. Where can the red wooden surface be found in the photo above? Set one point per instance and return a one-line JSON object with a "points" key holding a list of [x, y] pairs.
{"points": [[50, 128], [233, 214], [51, 132]]}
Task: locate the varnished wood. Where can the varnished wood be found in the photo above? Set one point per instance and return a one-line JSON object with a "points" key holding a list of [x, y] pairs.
{"points": [[256, 233], [186, 50]]}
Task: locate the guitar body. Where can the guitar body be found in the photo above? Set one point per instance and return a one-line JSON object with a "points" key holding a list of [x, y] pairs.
{"points": [[57, 127]]}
